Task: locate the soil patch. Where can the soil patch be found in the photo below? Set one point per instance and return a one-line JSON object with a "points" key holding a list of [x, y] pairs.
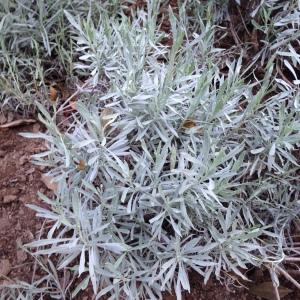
{"points": [[20, 181]]}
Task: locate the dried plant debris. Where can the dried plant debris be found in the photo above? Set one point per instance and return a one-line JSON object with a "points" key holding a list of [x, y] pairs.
{"points": [[18, 122]]}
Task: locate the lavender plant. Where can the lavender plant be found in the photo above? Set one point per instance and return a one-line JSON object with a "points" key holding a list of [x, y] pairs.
{"points": [[178, 166]]}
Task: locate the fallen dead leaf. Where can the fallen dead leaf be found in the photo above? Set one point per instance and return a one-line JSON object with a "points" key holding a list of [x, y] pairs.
{"points": [[21, 256], [36, 127], [265, 290], [9, 198], [106, 116], [188, 123], [65, 92], [53, 93], [49, 182], [82, 165], [18, 123], [5, 267], [254, 40]]}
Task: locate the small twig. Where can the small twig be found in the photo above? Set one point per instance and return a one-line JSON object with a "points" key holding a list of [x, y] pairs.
{"points": [[282, 75], [18, 123], [78, 91], [243, 21], [294, 272], [288, 277], [290, 249], [293, 259], [35, 261], [234, 34], [275, 288]]}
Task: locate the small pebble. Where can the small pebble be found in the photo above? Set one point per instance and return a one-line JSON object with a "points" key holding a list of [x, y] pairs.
{"points": [[14, 191], [22, 178], [5, 267], [4, 223], [18, 226], [9, 198], [21, 256], [30, 171], [36, 127], [29, 235], [23, 160], [42, 168]]}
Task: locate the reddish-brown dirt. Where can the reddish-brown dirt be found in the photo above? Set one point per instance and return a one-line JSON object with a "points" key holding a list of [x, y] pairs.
{"points": [[211, 291], [19, 183], [237, 290]]}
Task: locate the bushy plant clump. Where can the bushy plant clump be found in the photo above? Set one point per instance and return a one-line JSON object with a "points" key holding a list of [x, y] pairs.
{"points": [[187, 162]]}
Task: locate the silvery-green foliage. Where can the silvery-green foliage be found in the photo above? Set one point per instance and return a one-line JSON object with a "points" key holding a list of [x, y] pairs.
{"points": [[280, 29], [36, 45], [50, 284], [112, 48], [156, 197]]}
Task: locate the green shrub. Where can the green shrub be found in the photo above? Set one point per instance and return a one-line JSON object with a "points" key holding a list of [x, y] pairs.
{"points": [[186, 162]]}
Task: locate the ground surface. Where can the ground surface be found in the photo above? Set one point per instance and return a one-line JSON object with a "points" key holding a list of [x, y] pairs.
{"points": [[19, 184], [20, 181]]}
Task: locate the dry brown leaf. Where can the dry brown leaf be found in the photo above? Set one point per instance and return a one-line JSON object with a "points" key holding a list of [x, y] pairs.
{"points": [[82, 165], [5, 267], [188, 123], [53, 93], [18, 123], [105, 116], [265, 290], [65, 93], [49, 182], [254, 40]]}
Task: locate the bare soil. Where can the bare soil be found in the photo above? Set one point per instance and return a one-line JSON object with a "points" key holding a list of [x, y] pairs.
{"points": [[19, 184]]}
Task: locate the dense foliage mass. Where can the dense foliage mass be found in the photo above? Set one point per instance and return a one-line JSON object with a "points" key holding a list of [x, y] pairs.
{"points": [[183, 151]]}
